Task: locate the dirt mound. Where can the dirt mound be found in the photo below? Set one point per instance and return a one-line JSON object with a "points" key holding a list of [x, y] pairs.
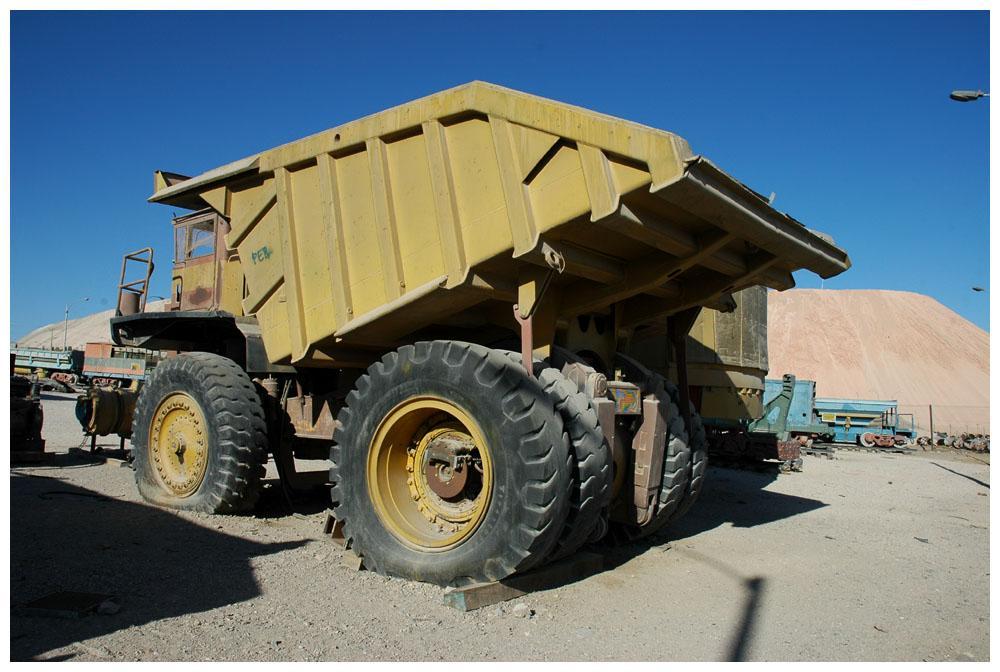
{"points": [[860, 343], [880, 344], [87, 329]]}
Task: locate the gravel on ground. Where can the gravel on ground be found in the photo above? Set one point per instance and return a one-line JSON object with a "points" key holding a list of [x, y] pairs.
{"points": [[863, 557]]}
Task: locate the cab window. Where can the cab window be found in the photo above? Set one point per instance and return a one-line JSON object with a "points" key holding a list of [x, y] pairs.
{"points": [[194, 240]]}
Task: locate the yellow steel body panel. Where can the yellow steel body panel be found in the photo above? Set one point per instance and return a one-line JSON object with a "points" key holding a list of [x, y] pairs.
{"points": [[197, 282], [359, 235], [726, 355], [231, 292]]}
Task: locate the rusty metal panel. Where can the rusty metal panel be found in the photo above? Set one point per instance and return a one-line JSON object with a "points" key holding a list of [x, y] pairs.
{"points": [[733, 339], [726, 357], [648, 445]]}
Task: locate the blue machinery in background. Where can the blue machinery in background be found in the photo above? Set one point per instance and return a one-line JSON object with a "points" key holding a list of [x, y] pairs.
{"points": [[70, 361], [791, 406], [788, 409]]}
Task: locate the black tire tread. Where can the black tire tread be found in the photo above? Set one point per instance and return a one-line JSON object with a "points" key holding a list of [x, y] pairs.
{"points": [[542, 503], [589, 457], [235, 412], [698, 442]]}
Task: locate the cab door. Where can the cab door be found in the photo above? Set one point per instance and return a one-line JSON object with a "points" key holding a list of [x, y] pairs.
{"points": [[196, 246]]}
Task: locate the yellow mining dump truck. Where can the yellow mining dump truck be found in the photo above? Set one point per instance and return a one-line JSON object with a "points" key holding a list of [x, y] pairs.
{"points": [[443, 297]]}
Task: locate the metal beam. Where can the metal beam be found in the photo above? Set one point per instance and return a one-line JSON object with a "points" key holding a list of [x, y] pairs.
{"points": [[647, 227], [582, 263], [641, 309], [641, 277]]}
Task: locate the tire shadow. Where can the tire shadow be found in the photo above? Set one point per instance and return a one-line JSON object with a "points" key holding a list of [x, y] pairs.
{"points": [[276, 503], [738, 497], [734, 496], [729, 496], [74, 459], [49, 396], [156, 563]]}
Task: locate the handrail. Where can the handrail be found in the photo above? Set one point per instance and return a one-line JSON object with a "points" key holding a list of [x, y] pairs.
{"points": [[140, 286]]}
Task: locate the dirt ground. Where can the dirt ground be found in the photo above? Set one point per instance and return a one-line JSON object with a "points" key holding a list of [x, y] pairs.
{"points": [[863, 557]]}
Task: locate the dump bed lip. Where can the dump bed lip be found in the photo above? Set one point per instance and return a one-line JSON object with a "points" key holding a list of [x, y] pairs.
{"points": [[475, 96], [221, 173], [808, 248], [662, 149]]}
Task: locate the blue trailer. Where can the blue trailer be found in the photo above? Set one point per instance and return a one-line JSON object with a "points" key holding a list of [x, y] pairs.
{"points": [[800, 418], [866, 422]]}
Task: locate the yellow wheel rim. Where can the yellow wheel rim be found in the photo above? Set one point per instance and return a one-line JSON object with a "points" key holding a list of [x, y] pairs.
{"points": [[178, 442], [420, 496]]}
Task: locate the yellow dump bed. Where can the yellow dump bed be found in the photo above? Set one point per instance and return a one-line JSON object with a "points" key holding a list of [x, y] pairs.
{"points": [[433, 211]]}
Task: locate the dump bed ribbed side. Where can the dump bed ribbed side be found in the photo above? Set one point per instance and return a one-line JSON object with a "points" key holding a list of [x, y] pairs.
{"points": [[361, 234]]}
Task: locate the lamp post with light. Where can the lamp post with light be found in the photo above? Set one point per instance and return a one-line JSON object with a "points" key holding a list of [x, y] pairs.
{"points": [[968, 96]]}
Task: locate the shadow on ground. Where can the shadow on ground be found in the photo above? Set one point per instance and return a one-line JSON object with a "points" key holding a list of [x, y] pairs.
{"points": [[158, 564], [161, 565], [737, 497], [729, 496], [958, 473], [47, 396]]}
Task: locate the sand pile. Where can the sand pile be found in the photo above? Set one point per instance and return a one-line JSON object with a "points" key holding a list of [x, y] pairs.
{"points": [[878, 344], [88, 329]]}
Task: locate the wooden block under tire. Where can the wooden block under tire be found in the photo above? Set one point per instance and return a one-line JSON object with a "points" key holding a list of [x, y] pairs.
{"points": [[476, 596]]}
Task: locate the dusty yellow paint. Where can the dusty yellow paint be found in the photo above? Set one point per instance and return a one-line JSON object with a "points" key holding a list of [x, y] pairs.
{"points": [[197, 281], [387, 220], [400, 489], [178, 440], [231, 292], [727, 357]]}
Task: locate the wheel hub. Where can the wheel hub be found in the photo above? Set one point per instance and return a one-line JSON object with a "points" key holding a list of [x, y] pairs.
{"points": [[179, 444], [446, 481], [442, 477], [447, 470]]}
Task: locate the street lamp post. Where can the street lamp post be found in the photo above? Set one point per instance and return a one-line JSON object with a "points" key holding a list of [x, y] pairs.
{"points": [[66, 320]]}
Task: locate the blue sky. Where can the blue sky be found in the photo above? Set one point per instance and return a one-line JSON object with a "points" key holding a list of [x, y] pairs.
{"points": [[845, 116]]}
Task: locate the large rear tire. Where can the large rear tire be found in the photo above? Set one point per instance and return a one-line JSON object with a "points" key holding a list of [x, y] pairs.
{"points": [[394, 493], [698, 444], [199, 438], [677, 467], [590, 491]]}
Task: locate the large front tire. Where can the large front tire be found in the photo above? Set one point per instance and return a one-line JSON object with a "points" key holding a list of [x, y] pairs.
{"points": [[199, 436], [400, 511]]}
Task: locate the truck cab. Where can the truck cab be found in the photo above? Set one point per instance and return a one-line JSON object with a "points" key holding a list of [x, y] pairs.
{"points": [[204, 311], [206, 274]]}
